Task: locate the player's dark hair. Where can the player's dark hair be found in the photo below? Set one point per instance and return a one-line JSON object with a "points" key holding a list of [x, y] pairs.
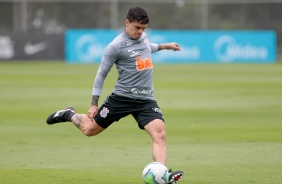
{"points": [[138, 14]]}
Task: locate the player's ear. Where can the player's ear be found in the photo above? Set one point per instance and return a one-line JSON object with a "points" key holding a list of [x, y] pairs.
{"points": [[127, 22]]}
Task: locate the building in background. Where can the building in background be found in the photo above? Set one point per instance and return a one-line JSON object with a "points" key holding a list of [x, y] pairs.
{"points": [[44, 19]]}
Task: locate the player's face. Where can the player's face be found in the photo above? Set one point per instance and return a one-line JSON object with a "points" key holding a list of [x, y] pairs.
{"points": [[134, 29]]}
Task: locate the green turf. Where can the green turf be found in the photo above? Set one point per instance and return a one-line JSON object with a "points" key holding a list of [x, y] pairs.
{"points": [[223, 122]]}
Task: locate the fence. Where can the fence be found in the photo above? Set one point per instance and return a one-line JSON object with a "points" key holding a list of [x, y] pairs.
{"points": [[55, 16]]}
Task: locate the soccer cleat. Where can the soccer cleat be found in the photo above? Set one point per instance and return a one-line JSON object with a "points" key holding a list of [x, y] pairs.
{"points": [[174, 177], [59, 116]]}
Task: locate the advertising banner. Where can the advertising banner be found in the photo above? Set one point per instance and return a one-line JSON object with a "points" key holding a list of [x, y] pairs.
{"points": [[29, 46], [87, 46]]}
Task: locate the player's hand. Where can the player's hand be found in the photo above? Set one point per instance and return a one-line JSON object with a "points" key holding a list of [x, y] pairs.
{"points": [[174, 46], [92, 111]]}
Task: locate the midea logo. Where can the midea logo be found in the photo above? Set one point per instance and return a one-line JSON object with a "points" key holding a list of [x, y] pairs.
{"points": [[88, 48], [227, 49]]}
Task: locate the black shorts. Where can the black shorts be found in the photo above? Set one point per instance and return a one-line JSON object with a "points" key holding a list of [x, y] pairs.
{"points": [[116, 107]]}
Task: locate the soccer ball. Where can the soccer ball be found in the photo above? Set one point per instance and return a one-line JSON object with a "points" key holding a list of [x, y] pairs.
{"points": [[155, 173]]}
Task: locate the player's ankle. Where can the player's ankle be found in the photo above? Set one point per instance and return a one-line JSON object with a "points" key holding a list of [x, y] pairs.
{"points": [[68, 115]]}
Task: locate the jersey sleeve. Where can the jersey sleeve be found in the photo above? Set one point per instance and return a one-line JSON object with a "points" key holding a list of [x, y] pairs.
{"points": [[108, 59], [154, 47]]}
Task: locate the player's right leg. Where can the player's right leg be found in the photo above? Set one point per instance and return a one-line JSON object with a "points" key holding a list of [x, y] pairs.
{"points": [[81, 121]]}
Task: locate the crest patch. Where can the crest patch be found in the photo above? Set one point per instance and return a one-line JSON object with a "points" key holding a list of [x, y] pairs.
{"points": [[104, 112]]}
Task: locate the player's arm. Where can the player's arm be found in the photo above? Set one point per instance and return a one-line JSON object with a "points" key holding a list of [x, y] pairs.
{"points": [[97, 89], [169, 46], [101, 75], [107, 62]]}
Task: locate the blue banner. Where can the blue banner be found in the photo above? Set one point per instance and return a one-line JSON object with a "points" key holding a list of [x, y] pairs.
{"points": [[87, 46]]}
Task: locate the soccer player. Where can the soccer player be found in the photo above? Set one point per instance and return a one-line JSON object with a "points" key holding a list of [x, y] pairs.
{"points": [[133, 92]]}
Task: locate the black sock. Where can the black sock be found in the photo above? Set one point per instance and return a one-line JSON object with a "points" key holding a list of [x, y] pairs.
{"points": [[68, 115]]}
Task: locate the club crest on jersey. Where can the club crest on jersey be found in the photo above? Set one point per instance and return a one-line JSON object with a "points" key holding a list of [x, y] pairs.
{"points": [[104, 112], [128, 42]]}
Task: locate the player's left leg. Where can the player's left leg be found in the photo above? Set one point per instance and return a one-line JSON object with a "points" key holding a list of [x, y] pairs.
{"points": [[150, 118], [156, 129]]}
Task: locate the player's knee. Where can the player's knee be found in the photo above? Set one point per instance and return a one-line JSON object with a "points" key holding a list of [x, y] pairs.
{"points": [[160, 138], [92, 130], [161, 130], [162, 135], [157, 131], [88, 133]]}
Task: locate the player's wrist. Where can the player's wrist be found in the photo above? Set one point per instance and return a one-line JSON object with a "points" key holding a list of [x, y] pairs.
{"points": [[94, 104], [95, 100], [160, 47]]}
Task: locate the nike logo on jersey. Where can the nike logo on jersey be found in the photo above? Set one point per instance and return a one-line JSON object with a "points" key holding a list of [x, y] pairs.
{"points": [[134, 53], [130, 50]]}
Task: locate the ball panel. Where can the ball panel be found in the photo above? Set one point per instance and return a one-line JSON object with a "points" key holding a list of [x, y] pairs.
{"points": [[155, 173]]}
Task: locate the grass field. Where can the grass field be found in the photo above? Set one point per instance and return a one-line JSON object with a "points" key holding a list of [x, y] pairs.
{"points": [[223, 122]]}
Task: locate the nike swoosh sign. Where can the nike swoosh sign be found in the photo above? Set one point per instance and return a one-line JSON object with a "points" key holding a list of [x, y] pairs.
{"points": [[31, 49]]}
